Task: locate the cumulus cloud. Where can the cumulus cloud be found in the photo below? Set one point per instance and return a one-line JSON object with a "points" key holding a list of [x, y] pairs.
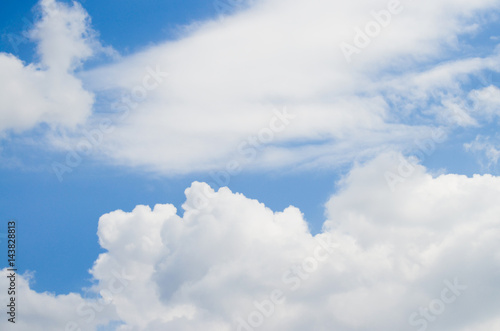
{"points": [[48, 91], [46, 311], [425, 255]]}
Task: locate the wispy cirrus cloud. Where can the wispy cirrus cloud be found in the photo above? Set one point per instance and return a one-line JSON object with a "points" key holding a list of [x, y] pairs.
{"points": [[226, 77], [221, 82]]}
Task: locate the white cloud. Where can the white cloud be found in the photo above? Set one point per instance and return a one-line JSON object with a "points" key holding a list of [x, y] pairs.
{"points": [[382, 256], [487, 101], [46, 311], [441, 91], [48, 91], [226, 77]]}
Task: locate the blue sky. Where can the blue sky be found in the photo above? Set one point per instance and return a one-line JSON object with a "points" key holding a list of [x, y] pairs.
{"points": [[186, 93]]}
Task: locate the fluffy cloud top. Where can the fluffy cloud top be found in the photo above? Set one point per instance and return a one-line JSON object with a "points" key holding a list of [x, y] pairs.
{"points": [[425, 255]]}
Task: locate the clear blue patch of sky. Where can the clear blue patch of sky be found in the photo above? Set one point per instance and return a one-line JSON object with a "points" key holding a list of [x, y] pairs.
{"points": [[126, 25], [16, 18]]}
